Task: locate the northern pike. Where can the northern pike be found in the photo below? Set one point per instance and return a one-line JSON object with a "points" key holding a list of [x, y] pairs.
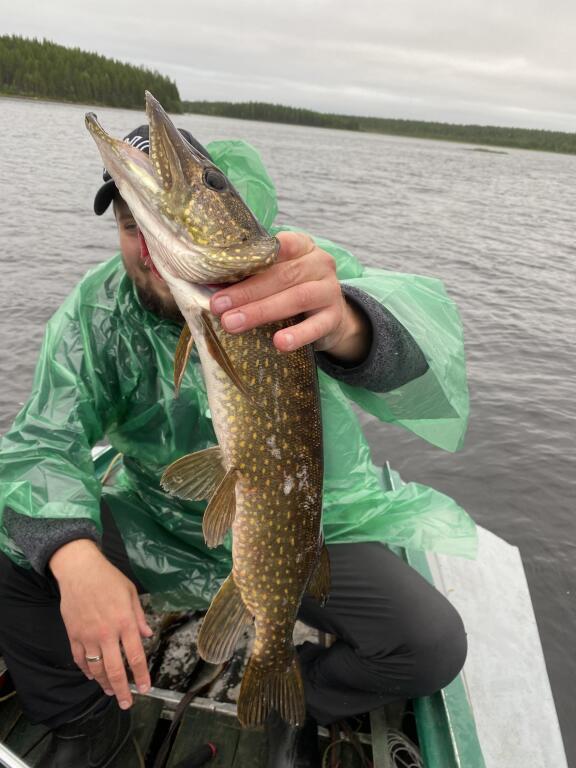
{"points": [[264, 478]]}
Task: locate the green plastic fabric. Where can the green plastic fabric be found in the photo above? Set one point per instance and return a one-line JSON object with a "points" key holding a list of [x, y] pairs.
{"points": [[105, 372]]}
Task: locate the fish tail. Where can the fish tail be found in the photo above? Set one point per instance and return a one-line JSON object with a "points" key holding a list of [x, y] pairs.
{"points": [[264, 689]]}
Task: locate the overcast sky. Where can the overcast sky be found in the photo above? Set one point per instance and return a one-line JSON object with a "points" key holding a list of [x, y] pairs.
{"points": [[511, 62]]}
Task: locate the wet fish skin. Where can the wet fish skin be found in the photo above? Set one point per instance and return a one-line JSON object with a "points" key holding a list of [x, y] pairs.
{"points": [[265, 478], [276, 449]]}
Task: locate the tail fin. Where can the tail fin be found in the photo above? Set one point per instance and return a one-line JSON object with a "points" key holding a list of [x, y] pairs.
{"points": [[264, 689]]}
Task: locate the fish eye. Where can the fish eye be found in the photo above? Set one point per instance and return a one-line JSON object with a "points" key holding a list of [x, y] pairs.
{"points": [[215, 180]]}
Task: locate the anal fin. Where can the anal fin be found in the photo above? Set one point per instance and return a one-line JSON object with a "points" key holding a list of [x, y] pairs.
{"points": [[196, 475], [225, 621], [319, 584]]}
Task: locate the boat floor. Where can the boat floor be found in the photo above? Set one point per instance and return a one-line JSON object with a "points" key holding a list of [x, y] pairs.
{"points": [[208, 718], [236, 747]]}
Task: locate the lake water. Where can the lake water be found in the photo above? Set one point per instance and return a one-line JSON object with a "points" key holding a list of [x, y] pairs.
{"points": [[498, 229]]}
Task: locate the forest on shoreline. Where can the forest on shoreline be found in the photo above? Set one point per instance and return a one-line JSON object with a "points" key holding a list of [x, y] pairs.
{"points": [[46, 70], [518, 138]]}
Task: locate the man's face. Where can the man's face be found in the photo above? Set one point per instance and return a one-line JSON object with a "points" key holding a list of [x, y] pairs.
{"points": [[153, 292]]}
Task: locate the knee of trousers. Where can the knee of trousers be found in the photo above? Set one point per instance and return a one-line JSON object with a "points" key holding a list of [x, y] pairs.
{"points": [[426, 661], [439, 658]]}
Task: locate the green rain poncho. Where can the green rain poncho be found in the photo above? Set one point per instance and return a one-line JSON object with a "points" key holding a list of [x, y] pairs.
{"points": [[106, 372]]}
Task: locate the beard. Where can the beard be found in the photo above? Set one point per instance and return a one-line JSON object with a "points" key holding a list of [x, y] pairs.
{"points": [[158, 306]]}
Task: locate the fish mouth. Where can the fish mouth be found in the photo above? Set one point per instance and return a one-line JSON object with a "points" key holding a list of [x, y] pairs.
{"points": [[194, 224], [149, 264], [126, 164], [175, 161], [146, 258]]}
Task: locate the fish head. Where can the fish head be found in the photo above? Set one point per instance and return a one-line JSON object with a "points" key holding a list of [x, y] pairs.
{"points": [[195, 224]]}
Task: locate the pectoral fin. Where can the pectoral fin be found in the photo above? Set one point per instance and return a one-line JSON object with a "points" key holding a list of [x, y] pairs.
{"points": [[319, 584], [225, 621], [221, 357], [195, 476], [183, 351], [219, 514]]}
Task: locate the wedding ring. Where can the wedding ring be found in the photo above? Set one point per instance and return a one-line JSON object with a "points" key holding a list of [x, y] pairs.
{"points": [[93, 658]]}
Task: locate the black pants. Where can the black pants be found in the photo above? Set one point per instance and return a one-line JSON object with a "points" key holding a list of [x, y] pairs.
{"points": [[397, 636]]}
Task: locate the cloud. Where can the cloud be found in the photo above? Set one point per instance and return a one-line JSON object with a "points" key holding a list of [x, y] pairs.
{"points": [[509, 63]]}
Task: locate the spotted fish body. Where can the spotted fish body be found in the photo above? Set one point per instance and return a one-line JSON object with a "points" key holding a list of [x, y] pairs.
{"points": [[273, 442], [264, 479]]}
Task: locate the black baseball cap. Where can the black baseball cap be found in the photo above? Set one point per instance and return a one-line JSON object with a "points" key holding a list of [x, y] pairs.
{"points": [[139, 138]]}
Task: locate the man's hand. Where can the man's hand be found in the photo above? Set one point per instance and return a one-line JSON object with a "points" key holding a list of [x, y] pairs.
{"points": [[102, 614], [302, 282]]}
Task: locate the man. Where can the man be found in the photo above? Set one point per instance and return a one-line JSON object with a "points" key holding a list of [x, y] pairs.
{"points": [[105, 370]]}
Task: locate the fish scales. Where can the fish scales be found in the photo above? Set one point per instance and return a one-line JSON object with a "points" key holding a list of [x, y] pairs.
{"points": [[273, 439], [277, 449], [264, 479]]}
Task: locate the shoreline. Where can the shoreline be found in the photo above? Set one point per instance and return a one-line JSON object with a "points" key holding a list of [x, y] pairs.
{"points": [[474, 145], [67, 102]]}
